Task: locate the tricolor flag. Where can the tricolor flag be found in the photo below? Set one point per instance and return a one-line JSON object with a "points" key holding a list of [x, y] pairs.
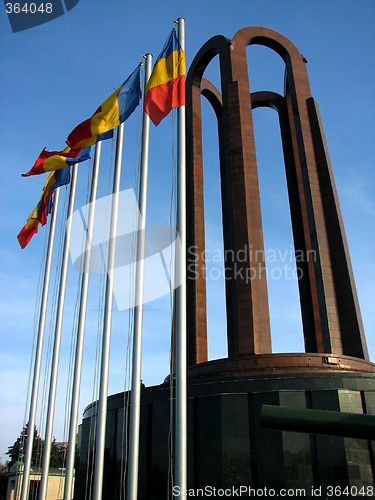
{"points": [[114, 110], [44, 207], [166, 87], [56, 160], [30, 228]]}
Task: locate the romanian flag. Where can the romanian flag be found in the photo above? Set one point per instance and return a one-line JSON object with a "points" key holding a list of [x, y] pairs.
{"points": [[114, 110], [29, 229], [166, 87], [56, 160], [44, 207]]}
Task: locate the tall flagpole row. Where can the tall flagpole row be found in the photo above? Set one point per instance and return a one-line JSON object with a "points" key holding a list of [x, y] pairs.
{"points": [[181, 349], [38, 353], [103, 390], [57, 341], [135, 400], [70, 454]]}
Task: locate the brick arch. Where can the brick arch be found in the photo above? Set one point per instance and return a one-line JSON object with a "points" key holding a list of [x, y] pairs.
{"points": [[196, 284], [337, 326], [305, 268], [295, 63], [330, 311], [260, 35]]}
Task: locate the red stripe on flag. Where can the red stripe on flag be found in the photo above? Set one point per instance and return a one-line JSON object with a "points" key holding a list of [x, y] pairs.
{"points": [[26, 234], [42, 213], [161, 99], [82, 131], [44, 155]]}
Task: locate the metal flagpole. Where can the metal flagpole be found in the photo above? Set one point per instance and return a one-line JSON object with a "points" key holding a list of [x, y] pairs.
{"points": [[57, 341], [181, 359], [135, 401], [70, 454], [38, 353], [102, 405]]}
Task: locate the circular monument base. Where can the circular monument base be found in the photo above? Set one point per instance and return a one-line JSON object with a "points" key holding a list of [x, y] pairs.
{"points": [[279, 364]]}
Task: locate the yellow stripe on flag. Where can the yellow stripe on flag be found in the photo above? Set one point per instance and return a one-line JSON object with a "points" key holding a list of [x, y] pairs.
{"points": [[108, 116], [167, 69]]}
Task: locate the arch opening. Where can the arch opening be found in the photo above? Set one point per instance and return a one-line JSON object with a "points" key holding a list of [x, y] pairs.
{"points": [[214, 242], [282, 275], [266, 69]]}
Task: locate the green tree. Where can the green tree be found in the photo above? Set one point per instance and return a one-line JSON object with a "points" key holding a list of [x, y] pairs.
{"points": [[17, 450], [57, 458]]}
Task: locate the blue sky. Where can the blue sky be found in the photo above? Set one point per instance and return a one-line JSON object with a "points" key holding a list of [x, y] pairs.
{"points": [[54, 76]]}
